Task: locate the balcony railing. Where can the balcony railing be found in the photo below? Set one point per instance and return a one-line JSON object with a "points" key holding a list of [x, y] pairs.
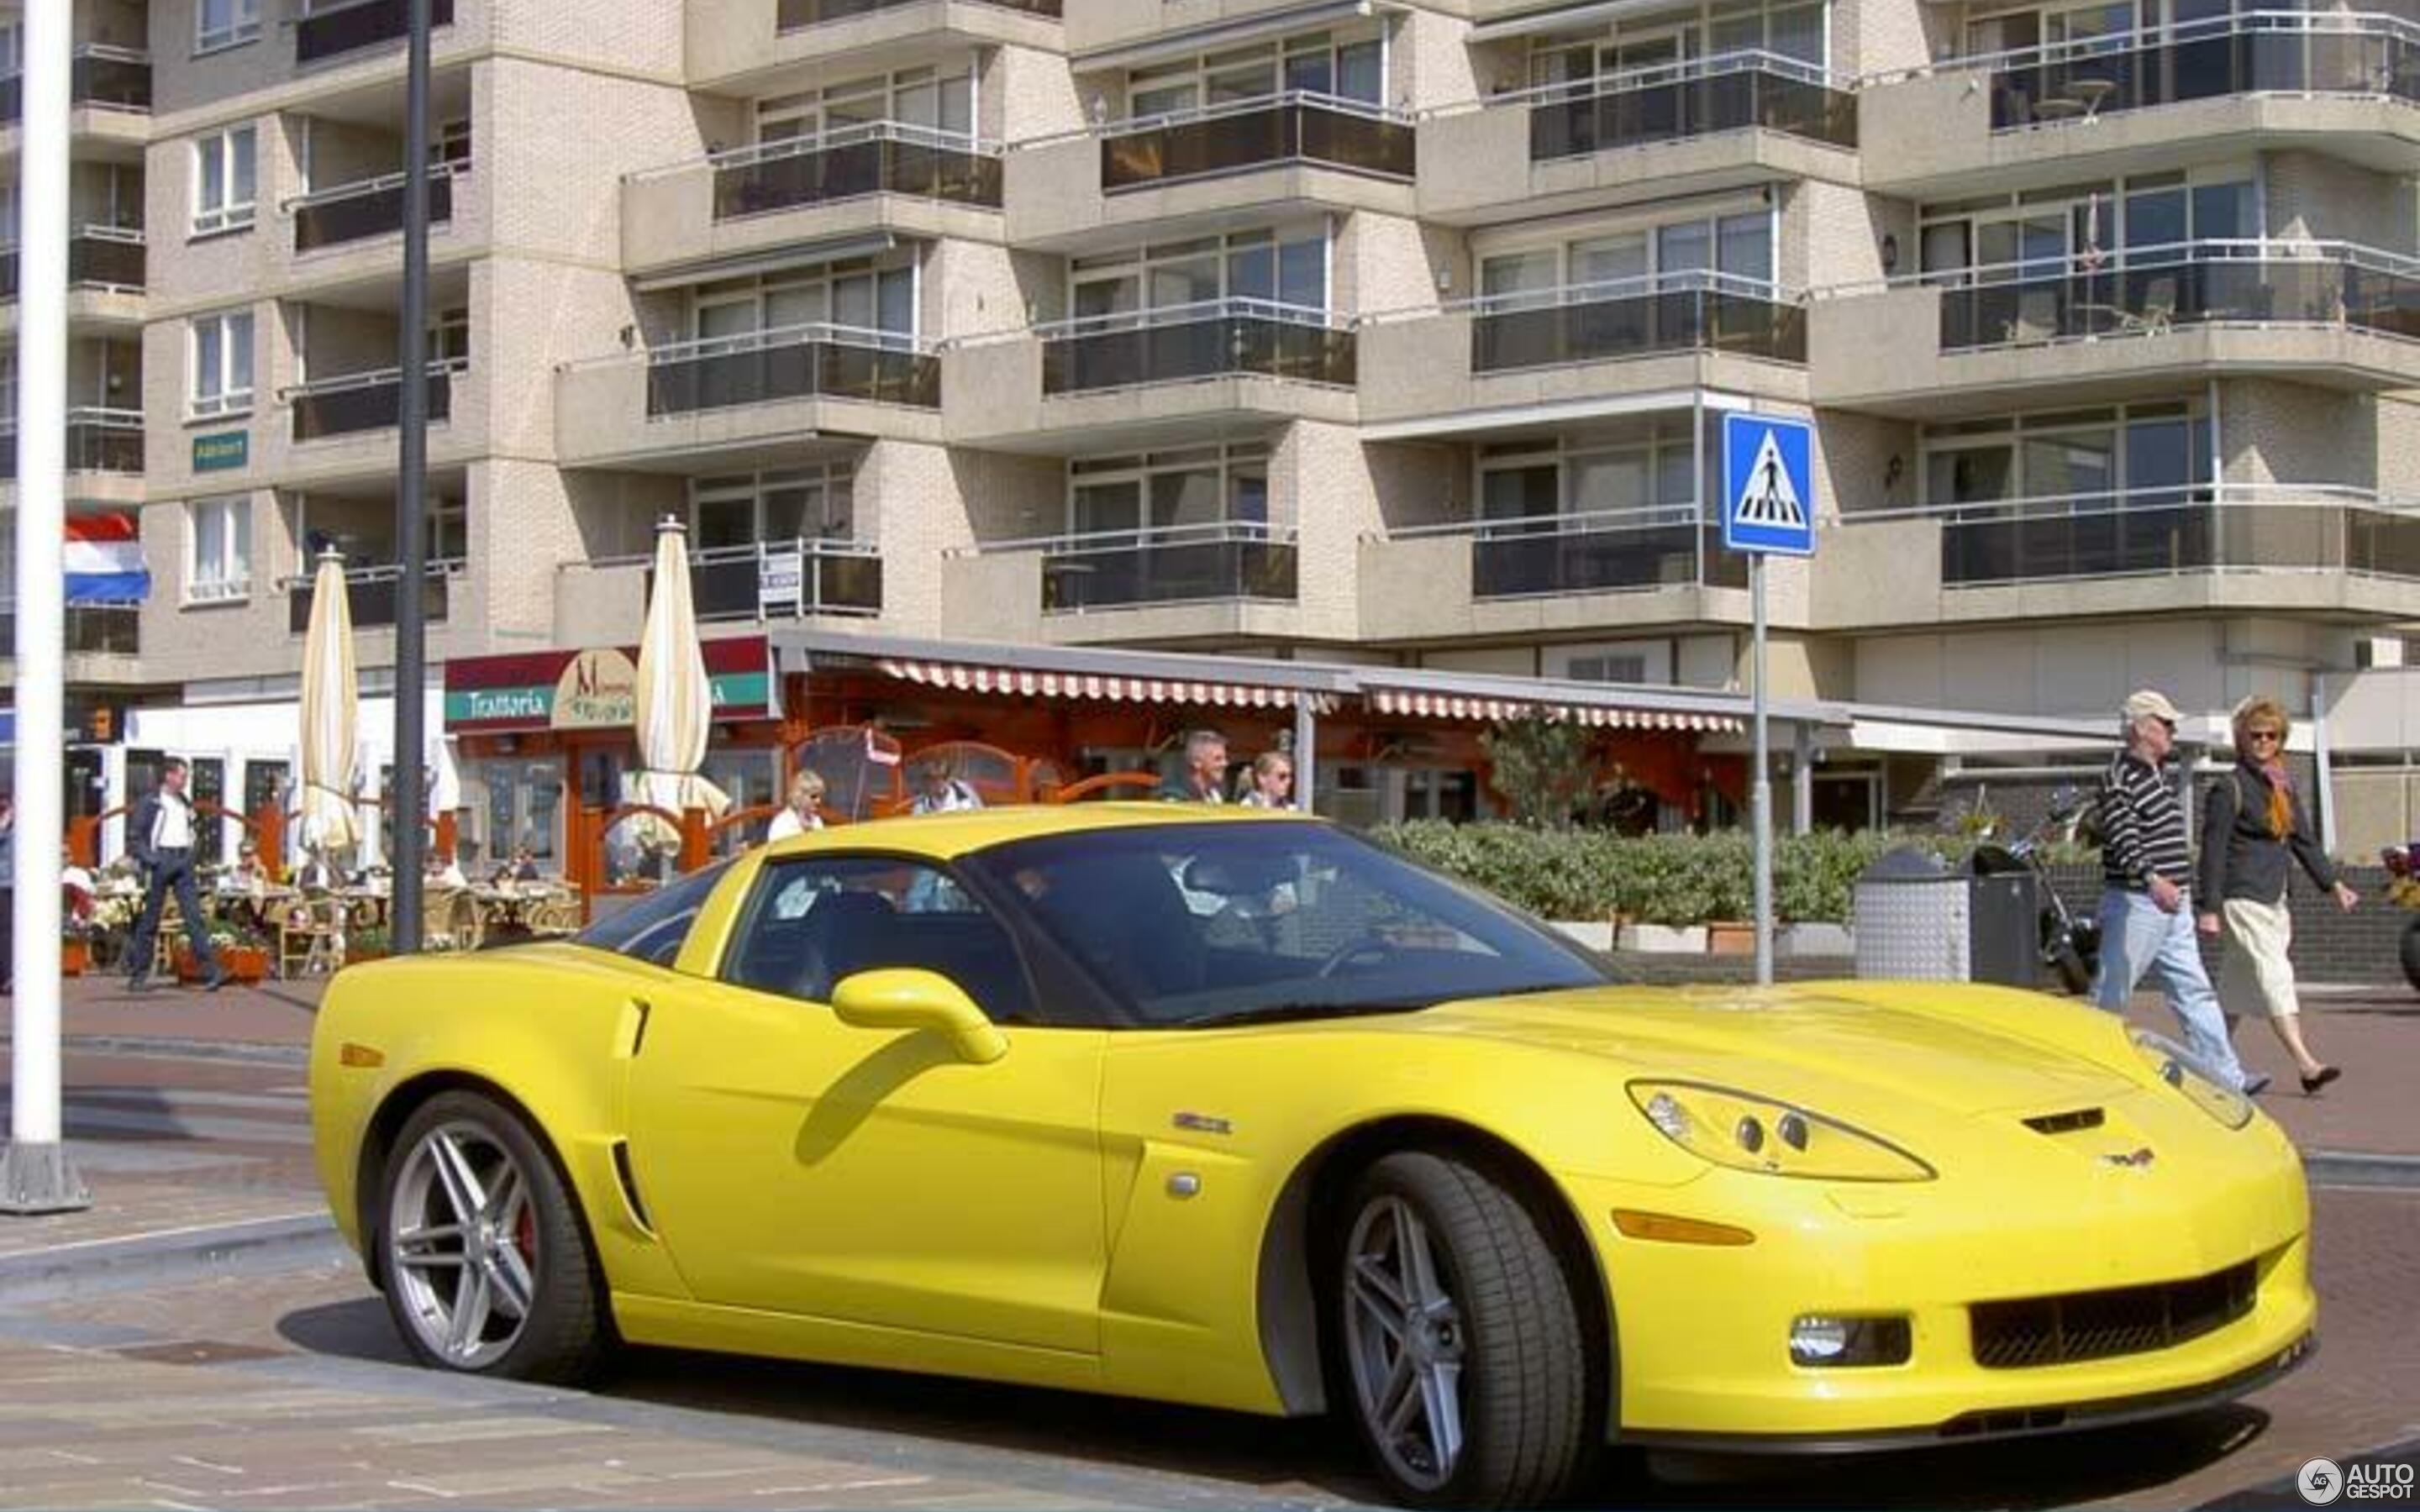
{"points": [[365, 401], [1252, 134], [2153, 290], [1635, 318], [794, 15], [877, 158], [2172, 532], [1624, 551], [99, 78], [1731, 92], [332, 31], [373, 208], [792, 362], [99, 258], [372, 595], [2253, 52], [99, 440], [1217, 338], [91, 629], [1231, 561], [767, 580]]}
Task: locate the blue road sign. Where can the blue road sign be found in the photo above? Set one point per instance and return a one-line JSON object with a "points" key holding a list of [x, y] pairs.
{"points": [[1768, 486]]}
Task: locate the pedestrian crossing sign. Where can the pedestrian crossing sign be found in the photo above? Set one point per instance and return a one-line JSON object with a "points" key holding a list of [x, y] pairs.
{"points": [[1768, 486]]}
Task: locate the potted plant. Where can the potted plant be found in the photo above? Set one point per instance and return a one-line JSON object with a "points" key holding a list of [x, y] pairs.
{"points": [[370, 943]]}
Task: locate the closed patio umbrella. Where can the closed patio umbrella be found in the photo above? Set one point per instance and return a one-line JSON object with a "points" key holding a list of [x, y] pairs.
{"points": [[674, 702], [328, 698]]}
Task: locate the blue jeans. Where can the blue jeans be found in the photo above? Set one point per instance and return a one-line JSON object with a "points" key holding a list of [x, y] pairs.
{"points": [[2137, 941], [173, 870]]}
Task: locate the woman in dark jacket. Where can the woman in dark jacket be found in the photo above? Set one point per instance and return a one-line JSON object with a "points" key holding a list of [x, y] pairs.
{"points": [[2251, 824]]}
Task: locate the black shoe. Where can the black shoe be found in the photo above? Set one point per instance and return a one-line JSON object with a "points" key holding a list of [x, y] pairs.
{"points": [[2319, 1078], [2255, 1086], [217, 978]]}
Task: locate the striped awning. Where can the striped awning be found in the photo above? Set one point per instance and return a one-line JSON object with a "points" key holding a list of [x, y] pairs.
{"points": [[1408, 702], [1021, 682]]}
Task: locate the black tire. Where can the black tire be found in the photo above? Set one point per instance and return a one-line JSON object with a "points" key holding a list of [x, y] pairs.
{"points": [[1509, 1322], [2412, 953], [2074, 974], [563, 1332]]}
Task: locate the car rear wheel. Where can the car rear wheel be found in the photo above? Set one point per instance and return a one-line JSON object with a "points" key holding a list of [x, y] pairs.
{"points": [[1459, 1338], [488, 1269]]}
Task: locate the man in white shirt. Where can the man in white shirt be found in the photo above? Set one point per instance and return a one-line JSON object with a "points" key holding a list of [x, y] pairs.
{"points": [[159, 837], [937, 792]]}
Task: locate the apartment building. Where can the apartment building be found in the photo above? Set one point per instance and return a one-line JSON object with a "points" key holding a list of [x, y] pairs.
{"points": [[1396, 333]]}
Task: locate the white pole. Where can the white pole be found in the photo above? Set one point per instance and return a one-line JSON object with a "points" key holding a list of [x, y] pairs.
{"points": [[1306, 750], [1760, 790], [36, 1175]]}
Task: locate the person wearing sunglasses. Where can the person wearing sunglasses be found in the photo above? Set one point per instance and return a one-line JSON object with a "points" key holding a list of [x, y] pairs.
{"points": [[2147, 927], [2252, 824]]}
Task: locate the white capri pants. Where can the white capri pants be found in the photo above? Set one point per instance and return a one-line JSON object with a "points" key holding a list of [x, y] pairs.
{"points": [[2256, 968]]}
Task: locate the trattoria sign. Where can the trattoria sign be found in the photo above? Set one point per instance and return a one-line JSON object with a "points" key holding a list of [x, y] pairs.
{"points": [[594, 688]]}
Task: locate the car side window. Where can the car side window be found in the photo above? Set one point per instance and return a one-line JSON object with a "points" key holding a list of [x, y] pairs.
{"points": [[812, 922]]}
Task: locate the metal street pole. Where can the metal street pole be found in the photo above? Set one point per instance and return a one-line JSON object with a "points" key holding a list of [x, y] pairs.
{"points": [[36, 1175], [1760, 789], [411, 501]]}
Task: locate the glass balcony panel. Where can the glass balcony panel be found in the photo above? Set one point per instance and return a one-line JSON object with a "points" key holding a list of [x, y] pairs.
{"points": [[850, 169], [1282, 131], [2262, 52], [2209, 282], [781, 370], [350, 409], [839, 579], [372, 596], [372, 213], [1551, 556], [335, 31], [109, 261], [1742, 96], [1180, 350], [1633, 325], [91, 629], [1083, 577], [790, 15]]}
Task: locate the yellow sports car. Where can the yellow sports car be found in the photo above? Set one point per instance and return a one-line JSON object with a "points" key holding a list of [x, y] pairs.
{"points": [[1240, 1110]]}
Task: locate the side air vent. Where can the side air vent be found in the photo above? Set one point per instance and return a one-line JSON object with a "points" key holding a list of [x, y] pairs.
{"points": [[631, 1184], [2059, 1123]]}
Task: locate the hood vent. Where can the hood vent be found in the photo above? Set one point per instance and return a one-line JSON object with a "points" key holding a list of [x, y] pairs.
{"points": [[2059, 1123]]}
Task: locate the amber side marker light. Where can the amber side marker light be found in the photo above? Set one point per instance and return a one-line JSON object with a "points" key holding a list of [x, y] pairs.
{"points": [[1667, 1229], [359, 1056]]}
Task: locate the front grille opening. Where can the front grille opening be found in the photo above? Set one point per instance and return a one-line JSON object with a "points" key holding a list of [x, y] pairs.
{"points": [[2099, 1325], [2059, 1123]]}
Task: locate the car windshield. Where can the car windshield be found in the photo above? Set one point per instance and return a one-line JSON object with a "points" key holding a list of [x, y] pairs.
{"points": [[1192, 925]]}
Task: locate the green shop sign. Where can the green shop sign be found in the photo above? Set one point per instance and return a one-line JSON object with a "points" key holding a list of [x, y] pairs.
{"points": [[226, 452]]}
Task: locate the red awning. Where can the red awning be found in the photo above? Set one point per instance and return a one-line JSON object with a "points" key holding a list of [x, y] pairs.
{"points": [[1021, 682], [1404, 701]]}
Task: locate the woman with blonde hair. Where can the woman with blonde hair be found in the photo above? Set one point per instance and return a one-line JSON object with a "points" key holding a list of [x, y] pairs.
{"points": [[2251, 824], [798, 815]]}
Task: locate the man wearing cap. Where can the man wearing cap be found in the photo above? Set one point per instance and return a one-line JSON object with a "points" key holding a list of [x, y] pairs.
{"points": [[2146, 927]]}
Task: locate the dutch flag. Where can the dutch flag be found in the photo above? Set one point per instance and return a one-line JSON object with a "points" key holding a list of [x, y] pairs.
{"points": [[104, 561]]}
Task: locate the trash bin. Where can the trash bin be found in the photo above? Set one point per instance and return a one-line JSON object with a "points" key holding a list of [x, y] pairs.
{"points": [[2005, 919], [1911, 919]]}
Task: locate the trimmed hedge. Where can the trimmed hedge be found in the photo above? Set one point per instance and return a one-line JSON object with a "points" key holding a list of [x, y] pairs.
{"points": [[1656, 879]]}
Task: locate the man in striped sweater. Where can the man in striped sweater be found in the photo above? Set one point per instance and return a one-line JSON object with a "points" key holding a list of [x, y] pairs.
{"points": [[2146, 927]]}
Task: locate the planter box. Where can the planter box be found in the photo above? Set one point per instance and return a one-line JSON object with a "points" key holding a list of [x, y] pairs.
{"points": [[1596, 934], [1730, 937], [1814, 939], [75, 957], [1665, 939], [243, 964]]}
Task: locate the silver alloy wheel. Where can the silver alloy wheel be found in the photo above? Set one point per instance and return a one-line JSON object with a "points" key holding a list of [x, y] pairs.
{"points": [[462, 1245], [1404, 1339]]}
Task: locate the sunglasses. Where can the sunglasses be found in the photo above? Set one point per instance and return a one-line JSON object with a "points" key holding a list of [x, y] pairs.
{"points": [[2264, 734]]}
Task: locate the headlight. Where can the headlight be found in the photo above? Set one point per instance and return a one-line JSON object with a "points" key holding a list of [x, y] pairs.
{"points": [[1754, 1133], [2176, 1065]]}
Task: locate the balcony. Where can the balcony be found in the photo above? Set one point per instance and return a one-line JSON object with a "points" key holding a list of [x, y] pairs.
{"points": [[2283, 547], [740, 46], [1218, 338], [880, 175], [783, 577], [372, 595], [97, 442], [1633, 317], [101, 258], [1629, 569], [798, 363], [335, 31], [795, 15], [2342, 81], [1720, 122], [1231, 560], [100, 78], [2337, 314], [91, 629], [373, 208], [361, 402], [731, 395], [1275, 154]]}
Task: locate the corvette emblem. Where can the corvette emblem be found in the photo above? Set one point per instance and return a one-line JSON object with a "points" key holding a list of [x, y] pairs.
{"points": [[2139, 1159], [1202, 1123]]}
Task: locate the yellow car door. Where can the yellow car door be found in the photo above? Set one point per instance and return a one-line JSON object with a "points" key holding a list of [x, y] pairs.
{"points": [[795, 1164]]}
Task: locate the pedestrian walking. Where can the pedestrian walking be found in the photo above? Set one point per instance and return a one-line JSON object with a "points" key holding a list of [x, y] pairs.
{"points": [[2147, 928], [798, 815], [1204, 777], [1271, 782], [160, 836], [2251, 825]]}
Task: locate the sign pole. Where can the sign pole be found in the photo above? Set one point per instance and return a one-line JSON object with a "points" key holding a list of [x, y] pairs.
{"points": [[411, 795], [1768, 507], [1760, 787]]}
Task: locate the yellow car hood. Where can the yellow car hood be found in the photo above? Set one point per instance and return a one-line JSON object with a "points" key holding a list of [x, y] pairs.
{"points": [[1803, 1042]]}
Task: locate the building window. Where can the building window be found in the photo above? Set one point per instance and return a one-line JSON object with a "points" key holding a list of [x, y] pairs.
{"points": [[797, 504], [219, 564], [1738, 249], [1662, 41], [859, 298], [928, 98], [1345, 65], [219, 24], [1286, 267], [1642, 471], [2142, 219], [222, 364], [223, 181], [1195, 489], [2134, 457]]}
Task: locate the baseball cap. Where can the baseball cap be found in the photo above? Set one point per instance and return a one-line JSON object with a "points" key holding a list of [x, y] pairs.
{"points": [[2151, 703]]}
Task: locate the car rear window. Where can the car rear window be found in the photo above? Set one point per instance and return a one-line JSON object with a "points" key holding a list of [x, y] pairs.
{"points": [[653, 929]]}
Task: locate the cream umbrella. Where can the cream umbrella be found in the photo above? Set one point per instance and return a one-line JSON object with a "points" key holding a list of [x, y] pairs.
{"points": [[675, 700], [330, 696]]}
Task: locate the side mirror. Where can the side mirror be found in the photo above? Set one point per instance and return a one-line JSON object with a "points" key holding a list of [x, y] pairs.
{"points": [[902, 997]]}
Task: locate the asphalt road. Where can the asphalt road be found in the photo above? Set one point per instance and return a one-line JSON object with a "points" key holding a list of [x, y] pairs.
{"points": [[272, 1377]]}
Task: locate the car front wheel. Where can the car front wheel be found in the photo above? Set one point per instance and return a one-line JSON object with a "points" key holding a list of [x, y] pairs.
{"points": [[1460, 1339], [488, 1269]]}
